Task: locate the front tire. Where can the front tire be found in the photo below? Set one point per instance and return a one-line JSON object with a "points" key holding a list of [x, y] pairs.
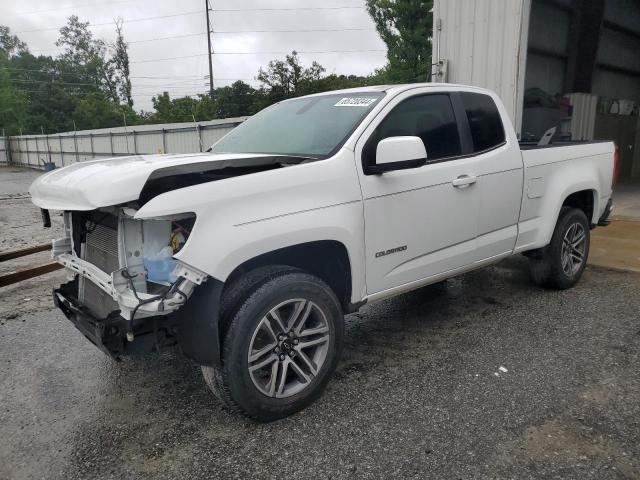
{"points": [[281, 348], [560, 264]]}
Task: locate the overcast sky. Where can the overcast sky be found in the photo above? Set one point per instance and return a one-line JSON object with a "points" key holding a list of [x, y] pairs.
{"points": [[261, 21]]}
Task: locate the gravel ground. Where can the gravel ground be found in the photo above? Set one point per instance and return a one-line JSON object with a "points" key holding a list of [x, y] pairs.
{"points": [[419, 394], [21, 228]]}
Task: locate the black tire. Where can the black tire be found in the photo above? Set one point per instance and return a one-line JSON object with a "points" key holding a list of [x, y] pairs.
{"points": [[546, 265], [238, 290], [272, 287]]}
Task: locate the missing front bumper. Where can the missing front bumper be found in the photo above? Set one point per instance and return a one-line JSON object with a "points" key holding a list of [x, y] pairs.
{"points": [[195, 327], [120, 289], [109, 333]]}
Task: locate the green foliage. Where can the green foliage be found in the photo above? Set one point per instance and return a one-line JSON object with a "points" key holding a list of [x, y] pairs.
{"points": [[13, 103], [237, 100], [169, 110], [288, 78], [94, 110], [87, 56], [81, 85], [118, 66], [406, 28], [88, 85], [11, 44]]}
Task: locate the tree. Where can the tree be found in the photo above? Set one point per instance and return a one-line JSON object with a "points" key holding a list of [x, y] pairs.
{"points": [[236, 100], [118, 65], [288, 78], [86, 55], [338, 82], [11, 44], [406, 28], [95, 110], [13, 102], [89, 85], [168, 110]]}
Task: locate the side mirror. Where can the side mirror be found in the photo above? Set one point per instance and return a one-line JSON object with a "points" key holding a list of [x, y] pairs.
{"points": [[398, 153]]}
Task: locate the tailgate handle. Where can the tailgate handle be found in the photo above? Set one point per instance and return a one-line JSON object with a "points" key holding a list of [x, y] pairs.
{"points": [[464, 181]]}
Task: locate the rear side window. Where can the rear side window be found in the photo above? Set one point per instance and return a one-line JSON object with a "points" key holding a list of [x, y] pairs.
{"points": [[484, 119], [429, 117]]}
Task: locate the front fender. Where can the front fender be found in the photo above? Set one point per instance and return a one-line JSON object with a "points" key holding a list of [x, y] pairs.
{"points": [[240, 218], [198, 324]]}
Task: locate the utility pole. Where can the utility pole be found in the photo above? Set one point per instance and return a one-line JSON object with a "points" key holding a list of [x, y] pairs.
{"points": [[207, 8]]}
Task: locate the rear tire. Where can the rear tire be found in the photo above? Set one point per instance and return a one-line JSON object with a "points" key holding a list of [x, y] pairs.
{"points": [[273, 365], [560, 264]]}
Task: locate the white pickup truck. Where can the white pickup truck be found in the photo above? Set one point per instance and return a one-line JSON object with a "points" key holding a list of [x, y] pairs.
{"points": [[249, 255]]}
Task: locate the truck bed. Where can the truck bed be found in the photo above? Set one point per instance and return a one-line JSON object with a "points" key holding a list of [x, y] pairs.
{"points": [[535, 146], [553, 173]]}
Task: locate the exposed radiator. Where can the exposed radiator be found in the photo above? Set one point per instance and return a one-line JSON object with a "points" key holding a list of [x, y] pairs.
{"points": [[100, 249]]}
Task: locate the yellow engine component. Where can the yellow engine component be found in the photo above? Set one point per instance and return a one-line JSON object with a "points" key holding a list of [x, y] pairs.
{"points": [[177, 240]]}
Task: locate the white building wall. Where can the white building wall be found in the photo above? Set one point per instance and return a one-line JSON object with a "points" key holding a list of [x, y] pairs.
{"points": [[484, 43]]}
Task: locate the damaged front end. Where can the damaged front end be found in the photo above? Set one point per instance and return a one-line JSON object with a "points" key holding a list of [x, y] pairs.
{"points": [[127, 293]]}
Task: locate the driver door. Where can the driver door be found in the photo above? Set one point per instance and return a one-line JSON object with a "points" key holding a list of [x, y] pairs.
{"points": [[419, 222]]}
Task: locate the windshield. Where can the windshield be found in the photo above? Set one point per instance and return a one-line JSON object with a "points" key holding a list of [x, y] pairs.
{"points": [[311, 126]]}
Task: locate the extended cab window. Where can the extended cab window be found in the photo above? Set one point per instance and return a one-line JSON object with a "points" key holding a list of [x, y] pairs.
{"points": [[484, 119], [429, 117]]}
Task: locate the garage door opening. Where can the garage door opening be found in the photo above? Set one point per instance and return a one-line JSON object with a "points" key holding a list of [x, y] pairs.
{"points": [[583, 75]]}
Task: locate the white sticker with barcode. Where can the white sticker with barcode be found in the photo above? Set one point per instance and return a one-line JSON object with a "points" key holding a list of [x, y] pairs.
{"points": [[355, 102]]}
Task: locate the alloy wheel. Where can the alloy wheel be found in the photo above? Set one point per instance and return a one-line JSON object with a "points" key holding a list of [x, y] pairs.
{"points": [[574, 246], [288, 348]]}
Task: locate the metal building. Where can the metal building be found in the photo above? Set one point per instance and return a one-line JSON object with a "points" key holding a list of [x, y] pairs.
{"points": [[569, 64]]}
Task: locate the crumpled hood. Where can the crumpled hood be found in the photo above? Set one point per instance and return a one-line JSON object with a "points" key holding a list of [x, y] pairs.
{"points": [[112, 181]]}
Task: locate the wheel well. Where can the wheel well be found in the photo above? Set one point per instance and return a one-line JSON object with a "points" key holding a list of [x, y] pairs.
{"points": [[326, 259], [583, 200]]}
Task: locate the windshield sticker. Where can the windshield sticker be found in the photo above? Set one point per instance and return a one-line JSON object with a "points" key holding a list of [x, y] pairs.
{"points": [[355, 102]]}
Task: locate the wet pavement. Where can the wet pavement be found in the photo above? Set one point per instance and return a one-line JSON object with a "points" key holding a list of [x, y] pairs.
{"points": [[616, 246], [419, 394], [626, 200]]}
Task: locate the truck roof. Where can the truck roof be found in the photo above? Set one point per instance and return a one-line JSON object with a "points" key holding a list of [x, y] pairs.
{"points": [[397, 88]]}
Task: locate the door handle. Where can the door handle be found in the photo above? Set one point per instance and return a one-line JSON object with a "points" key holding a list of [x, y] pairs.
{"points": [[464, 181]]}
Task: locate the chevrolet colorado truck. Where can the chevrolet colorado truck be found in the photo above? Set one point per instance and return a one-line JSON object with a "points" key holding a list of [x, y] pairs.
{"points": [[248, 256]]}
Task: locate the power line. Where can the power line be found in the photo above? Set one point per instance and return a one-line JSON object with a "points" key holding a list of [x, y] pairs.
{"points": [[144, 19], [171, 77], [49, 82], [190, 84], [284, 9], [234, 32], [257, 53], [135, 41], [169, 58], [138, 94], [45, 72], [158, 94], [194, 77], [299, 51], [296, 31], [183, 85], [70, 7], [168, 38]]}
